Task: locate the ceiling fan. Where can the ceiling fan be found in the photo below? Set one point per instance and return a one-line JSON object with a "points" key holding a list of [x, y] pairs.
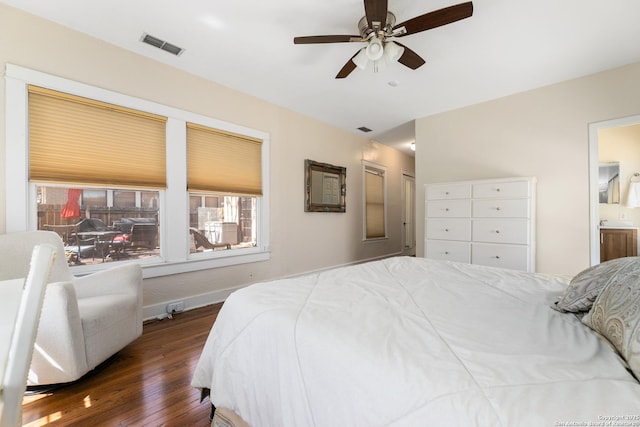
{"points": [[379, 25]]}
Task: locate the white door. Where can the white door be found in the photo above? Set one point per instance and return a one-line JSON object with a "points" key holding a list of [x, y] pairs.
{"points": [[408, 214]]}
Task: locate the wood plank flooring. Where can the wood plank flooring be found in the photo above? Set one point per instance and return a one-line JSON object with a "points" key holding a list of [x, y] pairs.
{"points": [[145, 384]]}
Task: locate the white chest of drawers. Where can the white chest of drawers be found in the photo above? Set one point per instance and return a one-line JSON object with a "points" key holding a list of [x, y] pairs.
{"points": [[487, 222]]}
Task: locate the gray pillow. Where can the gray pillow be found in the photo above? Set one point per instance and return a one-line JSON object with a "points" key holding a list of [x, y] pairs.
{"points": [[585, 287], [616, 314]]}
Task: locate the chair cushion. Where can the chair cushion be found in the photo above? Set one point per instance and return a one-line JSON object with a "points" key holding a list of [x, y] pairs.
{"points": [[109, 323]]}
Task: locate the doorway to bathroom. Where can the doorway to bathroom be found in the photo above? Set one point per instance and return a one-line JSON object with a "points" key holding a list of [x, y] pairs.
{"points": [[614, 149]]}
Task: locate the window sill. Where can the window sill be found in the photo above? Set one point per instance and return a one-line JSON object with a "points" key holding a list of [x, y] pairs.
{"points": [[375, 240], [158, 267]]}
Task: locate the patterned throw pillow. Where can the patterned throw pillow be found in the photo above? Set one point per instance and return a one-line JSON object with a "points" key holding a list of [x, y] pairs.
{"points": [[616, 314], [585, 287]]}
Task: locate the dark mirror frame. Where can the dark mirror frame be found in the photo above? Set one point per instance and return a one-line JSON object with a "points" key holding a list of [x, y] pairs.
{"points": [[325, 187]]}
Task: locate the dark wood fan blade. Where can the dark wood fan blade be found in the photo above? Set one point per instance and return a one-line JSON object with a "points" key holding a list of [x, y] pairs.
{"points": [[376, 12], [435, 19], [347, 69], [409, 58], [326, 39]]}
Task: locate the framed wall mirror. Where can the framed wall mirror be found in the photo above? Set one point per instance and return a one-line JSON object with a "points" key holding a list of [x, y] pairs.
{"points": [[609, 182], [325, 187]]}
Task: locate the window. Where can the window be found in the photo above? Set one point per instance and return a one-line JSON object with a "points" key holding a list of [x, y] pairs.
{"points": [[99, 175], [76, 142], [94, 199], [124, 199], [225, 200], [374, 201]]}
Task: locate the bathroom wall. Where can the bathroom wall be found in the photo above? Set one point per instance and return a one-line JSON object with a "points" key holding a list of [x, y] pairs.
{"points": [[621, 144]]}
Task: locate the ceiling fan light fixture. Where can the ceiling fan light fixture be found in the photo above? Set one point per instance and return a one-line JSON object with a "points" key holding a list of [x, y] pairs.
{"points": [[375, 49], [361, 59], [392, 52]]}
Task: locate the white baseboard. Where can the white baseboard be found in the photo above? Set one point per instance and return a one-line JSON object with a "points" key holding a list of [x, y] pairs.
{"points": [[362, 261], [159, 311]]}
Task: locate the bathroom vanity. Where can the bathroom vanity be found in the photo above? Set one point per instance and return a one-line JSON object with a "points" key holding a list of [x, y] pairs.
{"points": [[618, 242]]}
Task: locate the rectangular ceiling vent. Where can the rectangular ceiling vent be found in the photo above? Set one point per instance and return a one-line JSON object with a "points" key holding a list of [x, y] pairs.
{"points": [[161, 44], [364, 129]]}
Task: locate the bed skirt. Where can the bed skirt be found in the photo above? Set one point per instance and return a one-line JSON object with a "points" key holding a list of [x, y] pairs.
{"points": [[226, 418]]}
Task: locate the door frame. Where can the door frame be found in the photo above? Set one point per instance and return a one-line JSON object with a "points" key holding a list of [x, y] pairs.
{"points": [[408, 249], [594, 203]]}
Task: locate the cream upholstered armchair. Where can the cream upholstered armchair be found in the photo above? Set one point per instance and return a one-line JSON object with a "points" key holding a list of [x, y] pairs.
{"points": [[85, 320]]}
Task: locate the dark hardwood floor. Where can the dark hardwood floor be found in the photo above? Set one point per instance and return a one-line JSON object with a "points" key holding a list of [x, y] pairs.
{"points": [[145, 384]]}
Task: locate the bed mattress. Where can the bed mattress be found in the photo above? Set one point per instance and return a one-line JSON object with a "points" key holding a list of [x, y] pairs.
{"points": [[412, 342]]}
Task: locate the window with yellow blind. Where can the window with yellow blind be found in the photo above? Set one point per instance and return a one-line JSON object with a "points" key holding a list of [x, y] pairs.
{"points": [[223, 162], [86, 142], [224, 181], [111, 164], [85, 158], [374, 201]]}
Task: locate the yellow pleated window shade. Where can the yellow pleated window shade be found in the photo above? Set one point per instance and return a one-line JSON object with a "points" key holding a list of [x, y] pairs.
{"points": [[374, 203], [223, 162], [86, 142]]}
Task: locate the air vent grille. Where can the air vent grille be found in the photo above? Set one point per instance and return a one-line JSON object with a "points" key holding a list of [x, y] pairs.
{"points": [[161, 44]]}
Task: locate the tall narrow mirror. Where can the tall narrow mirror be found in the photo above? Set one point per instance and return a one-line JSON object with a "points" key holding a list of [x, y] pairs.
{"points": [[609, 182]]}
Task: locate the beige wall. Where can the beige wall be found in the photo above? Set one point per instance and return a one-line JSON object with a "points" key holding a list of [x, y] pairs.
{"points": [[542, 133], [300, 241]]}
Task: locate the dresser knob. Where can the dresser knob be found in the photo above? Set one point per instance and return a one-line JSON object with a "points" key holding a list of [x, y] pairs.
{"points": [[446, 209], [446, 252], [498, 190], [498, 208], [497, 256], [497, 231], [446, 230]]}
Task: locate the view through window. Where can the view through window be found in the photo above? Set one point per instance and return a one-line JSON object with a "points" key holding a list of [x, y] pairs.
{"points": [[220, 222], [99, 224]]}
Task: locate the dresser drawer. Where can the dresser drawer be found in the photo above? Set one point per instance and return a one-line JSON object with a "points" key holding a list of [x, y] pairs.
{"points": [[449, 208], [448, 250], [505, 256], [448, 191], [448, 229], [499, 208], [497, 190], [501, 231]]}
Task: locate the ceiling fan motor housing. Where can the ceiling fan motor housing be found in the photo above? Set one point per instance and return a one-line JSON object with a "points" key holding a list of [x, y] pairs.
{"points": [[365, 31]]}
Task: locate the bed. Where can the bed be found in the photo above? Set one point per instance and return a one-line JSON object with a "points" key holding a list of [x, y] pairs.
{"points": [[416, 342]]}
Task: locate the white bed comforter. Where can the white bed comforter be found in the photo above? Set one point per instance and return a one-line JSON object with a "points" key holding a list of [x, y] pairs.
{"points": [[412, 342]]}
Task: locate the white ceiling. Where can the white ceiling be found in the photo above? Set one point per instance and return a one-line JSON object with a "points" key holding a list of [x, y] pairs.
{"points": [[507, 46]]}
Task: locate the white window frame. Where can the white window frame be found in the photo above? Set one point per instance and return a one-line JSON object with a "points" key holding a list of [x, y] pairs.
{"points": [[367, 165], [21, 204]]}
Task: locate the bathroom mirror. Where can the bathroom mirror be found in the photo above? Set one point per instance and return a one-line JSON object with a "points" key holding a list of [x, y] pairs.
{"points": [[325, 187], [609, 182]]}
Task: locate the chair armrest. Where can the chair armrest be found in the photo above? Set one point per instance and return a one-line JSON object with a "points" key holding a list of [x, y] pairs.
{"points": [[125, 278], [122, 279], [59, 355]]}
